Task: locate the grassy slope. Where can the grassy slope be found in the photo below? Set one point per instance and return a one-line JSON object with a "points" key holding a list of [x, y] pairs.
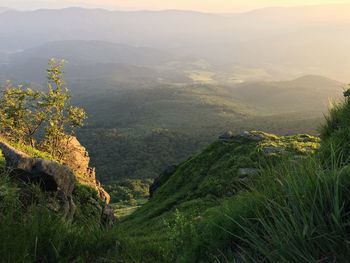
{"points": [[296, 209], [200, 184]]}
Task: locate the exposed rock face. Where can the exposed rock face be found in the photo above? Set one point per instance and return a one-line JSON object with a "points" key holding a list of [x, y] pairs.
{"points": [[77, 158], [58, 178], [50, 175], [254, 136], [226, 136]]}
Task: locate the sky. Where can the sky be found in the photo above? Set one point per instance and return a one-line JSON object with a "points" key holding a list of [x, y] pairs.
{"points": [[214, 6]]}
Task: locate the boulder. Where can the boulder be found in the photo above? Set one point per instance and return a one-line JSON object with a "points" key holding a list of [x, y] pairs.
{"points": [[77, 158], [59, 179], [227, 136], [254, 136], [50, 175]]}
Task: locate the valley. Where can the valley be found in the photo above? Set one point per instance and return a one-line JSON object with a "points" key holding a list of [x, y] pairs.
{"points": [[174, 136], [148, 109]]}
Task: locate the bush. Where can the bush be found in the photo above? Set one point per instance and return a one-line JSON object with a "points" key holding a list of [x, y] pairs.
{"points": [[129, 190], [25, 114], [89, 206]]}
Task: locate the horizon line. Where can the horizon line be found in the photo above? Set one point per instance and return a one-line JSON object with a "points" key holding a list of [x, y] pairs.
{"points": [[169, 9]]}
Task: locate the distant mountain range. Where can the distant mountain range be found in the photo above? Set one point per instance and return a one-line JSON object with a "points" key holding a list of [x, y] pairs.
{"points": [[312, 40], [98, 60], [161, 85], [94, 52]]}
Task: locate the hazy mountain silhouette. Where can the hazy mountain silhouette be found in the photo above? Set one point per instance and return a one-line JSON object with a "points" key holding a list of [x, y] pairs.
{"points": [[298, 40]]}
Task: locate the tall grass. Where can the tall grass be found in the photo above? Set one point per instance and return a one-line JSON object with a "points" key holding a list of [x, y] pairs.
{"points": [[34, 233], [335, 134], [298, 211], [302, 213], [305, 215]]}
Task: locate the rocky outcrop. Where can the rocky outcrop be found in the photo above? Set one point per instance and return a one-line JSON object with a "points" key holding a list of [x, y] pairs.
{"points": [[59, 179], [227, 136], [254, 136], [52, 176], [77, 158]]}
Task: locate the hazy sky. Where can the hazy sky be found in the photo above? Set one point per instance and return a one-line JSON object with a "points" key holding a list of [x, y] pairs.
{"points": [[200, 5]]}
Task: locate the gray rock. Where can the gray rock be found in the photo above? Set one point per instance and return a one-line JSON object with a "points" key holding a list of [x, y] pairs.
{"points": [[245, 134], [258, 137], [51, 176], [252, 136], [77, 158], [57, 179], [226, 136], [272, 150]]}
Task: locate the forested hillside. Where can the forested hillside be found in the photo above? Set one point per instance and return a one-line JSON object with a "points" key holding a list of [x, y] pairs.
{"points": [[249, 198], [133, 134], [143, 118], [224, 203]]}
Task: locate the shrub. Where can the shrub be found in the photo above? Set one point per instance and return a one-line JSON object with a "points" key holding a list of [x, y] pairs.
{"points": [[89, 206], [24, 113]]}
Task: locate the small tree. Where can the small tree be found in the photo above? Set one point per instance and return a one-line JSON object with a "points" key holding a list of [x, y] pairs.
{"points": [[63, 118], [24, 112], [21, 113]]}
